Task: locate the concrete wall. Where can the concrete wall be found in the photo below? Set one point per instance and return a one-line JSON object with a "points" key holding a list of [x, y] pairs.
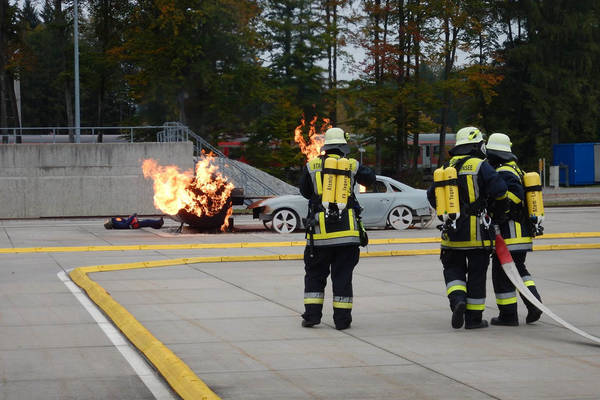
{"points": [[57, 180]]}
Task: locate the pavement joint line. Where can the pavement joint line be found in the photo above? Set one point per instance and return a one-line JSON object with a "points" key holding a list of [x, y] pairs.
{"points": [[232, 245], [178, 374]]}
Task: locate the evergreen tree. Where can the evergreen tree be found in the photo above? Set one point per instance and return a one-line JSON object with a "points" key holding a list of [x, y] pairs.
{"points": [[106, 98], [30, 15], [8, 52], [551, 87]]}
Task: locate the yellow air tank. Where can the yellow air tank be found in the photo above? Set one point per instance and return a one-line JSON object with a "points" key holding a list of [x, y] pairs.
{"points": [[342, 185], [440, 194], [328, 182], [452, 203], [533, 194]]}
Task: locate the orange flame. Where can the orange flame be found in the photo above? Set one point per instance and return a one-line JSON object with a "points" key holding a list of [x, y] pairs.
{"points": [[204, 194], [312, 147]]}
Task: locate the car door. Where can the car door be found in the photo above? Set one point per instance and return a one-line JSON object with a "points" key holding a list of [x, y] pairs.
{"points": [[375, 201]]}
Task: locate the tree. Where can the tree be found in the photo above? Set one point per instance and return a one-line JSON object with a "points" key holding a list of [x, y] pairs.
{"points": [[45, 69], [8, 48], [185, 55], [103, 72], [336, 30], [550, 90], [30, 15], [453, 18], [294, 32]]}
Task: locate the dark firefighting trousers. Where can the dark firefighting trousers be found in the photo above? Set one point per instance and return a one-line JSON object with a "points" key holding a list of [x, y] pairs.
{"points": [[340, 261], [465, 275], [506, 295]]}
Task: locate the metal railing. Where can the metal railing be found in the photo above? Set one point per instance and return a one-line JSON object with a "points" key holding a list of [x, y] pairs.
{"points": [[177, 132], [60, 134]]}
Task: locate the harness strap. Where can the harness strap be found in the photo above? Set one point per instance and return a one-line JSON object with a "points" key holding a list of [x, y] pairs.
{"points": [[333, 171], [535, 188]]}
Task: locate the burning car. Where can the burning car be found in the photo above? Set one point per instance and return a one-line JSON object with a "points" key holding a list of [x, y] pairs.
{"points": [[386, 204]]}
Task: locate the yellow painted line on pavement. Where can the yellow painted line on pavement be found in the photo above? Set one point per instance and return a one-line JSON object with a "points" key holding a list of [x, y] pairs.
{"points": [[544, 247], [178, 374], [581, 246], [142, 247], [238, 245]]}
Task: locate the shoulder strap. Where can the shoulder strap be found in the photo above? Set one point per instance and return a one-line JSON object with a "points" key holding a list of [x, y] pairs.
{"points": [[515, 168], [459, 163]]}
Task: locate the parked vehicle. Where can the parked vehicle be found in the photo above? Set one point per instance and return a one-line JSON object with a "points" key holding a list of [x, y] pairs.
{"points": [[386, 204]]}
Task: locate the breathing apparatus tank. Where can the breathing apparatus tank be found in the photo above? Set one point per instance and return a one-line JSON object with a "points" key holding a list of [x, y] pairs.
{"points": [[329, 182], [440, 194], [533, 194], [451, 188], [342, 186]]}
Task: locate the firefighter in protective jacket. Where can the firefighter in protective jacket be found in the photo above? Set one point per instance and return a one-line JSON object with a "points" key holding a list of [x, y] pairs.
{"points": [[333, 228], [517, 233], [466, 236]]}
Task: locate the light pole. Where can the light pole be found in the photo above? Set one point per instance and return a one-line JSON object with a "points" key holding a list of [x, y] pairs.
{"points": [[361, 150], [76, 51]]}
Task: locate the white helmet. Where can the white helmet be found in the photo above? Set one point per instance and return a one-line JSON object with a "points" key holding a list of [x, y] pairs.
{"points": [[499, 142], [467, 135], [499, 147], [336, 138]]}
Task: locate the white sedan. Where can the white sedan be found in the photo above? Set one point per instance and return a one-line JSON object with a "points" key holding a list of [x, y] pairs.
{"points": [[387, 203]]}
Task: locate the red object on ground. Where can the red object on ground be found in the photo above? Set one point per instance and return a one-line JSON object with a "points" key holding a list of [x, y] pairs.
{"points": [[502, 251]]}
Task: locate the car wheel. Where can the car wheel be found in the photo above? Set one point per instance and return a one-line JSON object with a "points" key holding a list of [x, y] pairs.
{"points": [[285, 221], [400, 218]]}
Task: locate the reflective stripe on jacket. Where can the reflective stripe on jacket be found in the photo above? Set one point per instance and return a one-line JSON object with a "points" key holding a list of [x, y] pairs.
{"points": [[516, 232]]}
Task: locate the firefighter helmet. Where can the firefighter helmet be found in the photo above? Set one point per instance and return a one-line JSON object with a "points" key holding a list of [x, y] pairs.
{"points": [[468, 135], [499, 142], [336, 138], [469, 140], [499, 146]]}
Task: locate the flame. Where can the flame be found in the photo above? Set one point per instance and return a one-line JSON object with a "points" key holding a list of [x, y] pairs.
{"points": [[204, 194], [311, 148]]}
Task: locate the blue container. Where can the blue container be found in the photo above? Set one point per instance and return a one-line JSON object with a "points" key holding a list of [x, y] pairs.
{"points": [[579, 157]]}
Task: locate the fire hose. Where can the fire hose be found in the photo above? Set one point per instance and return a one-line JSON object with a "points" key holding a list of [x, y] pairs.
{"points": [[511, 271]]}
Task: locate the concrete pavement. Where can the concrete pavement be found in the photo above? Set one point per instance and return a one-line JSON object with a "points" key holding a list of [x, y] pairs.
{"points": [[237, 324]]}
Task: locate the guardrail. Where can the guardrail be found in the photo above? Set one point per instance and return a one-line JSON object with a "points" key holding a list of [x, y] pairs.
{"points": [[58, 134]]}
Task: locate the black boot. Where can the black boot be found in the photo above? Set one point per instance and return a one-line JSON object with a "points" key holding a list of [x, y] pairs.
{"points": [[533, 313], [482, 324], [473, 320], [342, 318], [309, 324], [312, 315], [458, 315], [505, 320], [341, 327]]}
